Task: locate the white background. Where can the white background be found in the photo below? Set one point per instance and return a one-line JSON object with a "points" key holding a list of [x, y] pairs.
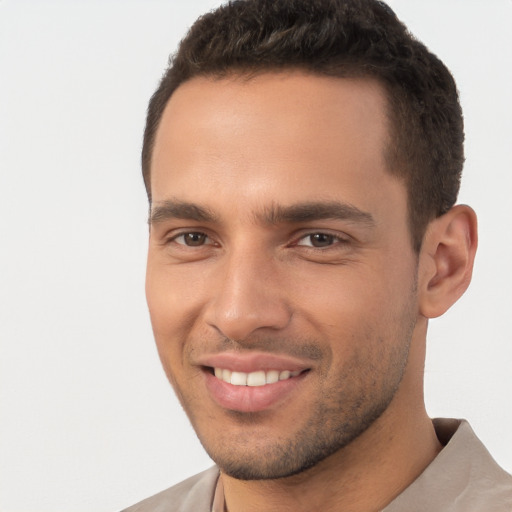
{"points": [[88, 421]]}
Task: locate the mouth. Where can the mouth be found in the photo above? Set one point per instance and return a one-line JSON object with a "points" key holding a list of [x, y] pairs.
{"points": [[253, 391], [254, 379]]}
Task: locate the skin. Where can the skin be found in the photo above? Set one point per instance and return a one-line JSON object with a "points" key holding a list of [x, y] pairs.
{"points": [[346, 295]]}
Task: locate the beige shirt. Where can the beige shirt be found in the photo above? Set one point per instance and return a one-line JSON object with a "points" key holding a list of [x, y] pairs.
{"points": [[462, 478]]}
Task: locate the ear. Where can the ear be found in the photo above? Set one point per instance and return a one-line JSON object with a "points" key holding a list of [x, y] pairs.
{"points": [[446, 260]]}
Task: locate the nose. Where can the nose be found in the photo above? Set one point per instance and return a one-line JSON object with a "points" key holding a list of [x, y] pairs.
{"points": [[249, 296]]}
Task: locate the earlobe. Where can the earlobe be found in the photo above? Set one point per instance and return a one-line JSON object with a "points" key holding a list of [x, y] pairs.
{"points": [[446, 260]]}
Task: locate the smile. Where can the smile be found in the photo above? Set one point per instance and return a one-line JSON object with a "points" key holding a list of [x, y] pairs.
{"points": [[254, 379]]}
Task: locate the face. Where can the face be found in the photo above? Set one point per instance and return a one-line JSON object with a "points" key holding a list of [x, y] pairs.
{"points": [[281, 276]]}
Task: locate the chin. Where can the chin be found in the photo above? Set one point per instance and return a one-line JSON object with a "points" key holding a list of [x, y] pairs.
{"points": [[318, 439]]}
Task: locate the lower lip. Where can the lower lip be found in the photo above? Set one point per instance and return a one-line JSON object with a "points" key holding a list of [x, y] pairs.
{"points": [[249, 398]]}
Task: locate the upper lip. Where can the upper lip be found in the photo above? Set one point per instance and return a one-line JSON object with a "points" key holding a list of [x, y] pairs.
{"points": [[252, 362]]}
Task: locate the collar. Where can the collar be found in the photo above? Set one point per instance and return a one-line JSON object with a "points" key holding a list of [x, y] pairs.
{"points": [[463, 477]]}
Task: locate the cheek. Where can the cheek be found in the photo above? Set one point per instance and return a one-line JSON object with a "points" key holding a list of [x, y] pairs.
{"points": [[166, 313], [172, 295], [175, 296], [356, 301], [337, 293]]}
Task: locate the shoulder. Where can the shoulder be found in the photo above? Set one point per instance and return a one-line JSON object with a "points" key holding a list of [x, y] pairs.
{"points": [[195, 494]]}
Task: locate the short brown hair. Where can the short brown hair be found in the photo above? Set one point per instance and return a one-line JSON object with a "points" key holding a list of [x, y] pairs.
{"points": [[340, 38]]}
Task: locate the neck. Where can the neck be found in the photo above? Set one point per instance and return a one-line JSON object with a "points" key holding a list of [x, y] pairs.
{"points": [[364, 476]]}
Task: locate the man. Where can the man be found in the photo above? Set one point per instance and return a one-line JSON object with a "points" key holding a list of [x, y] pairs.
{"points": [[302, 162]]}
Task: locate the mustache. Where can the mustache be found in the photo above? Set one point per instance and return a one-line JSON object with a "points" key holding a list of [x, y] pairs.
{"points": [[300, 348]]}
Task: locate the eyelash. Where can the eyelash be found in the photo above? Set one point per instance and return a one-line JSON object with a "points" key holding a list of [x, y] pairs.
{"points": [[183, 234], [332, 239]]}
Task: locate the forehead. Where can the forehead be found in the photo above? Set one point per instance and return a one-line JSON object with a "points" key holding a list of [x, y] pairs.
{"points": [[274, 136]]}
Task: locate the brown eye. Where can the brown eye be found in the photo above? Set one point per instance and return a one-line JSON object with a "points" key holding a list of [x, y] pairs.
{"points": [[192, 239], [318, 240], [321, 240]]}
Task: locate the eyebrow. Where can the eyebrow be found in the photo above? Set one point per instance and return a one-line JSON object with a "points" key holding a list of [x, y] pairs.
{"points": [[316, 210], [174, 209], [274, 214]]}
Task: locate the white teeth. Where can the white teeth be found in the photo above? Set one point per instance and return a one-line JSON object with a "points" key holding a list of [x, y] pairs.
{"points": [[259, 378], [272, 377], [239, 379], [256, 379]]}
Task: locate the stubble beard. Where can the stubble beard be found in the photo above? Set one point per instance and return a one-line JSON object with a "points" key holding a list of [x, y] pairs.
{"points": [[354, 401], [343, 414]]}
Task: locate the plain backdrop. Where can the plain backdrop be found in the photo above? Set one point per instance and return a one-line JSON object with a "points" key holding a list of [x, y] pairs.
{"points": [[88, 421]]}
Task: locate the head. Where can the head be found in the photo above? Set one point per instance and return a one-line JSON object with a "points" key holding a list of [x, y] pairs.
{"points": [[346, 39], [301, 228]]}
